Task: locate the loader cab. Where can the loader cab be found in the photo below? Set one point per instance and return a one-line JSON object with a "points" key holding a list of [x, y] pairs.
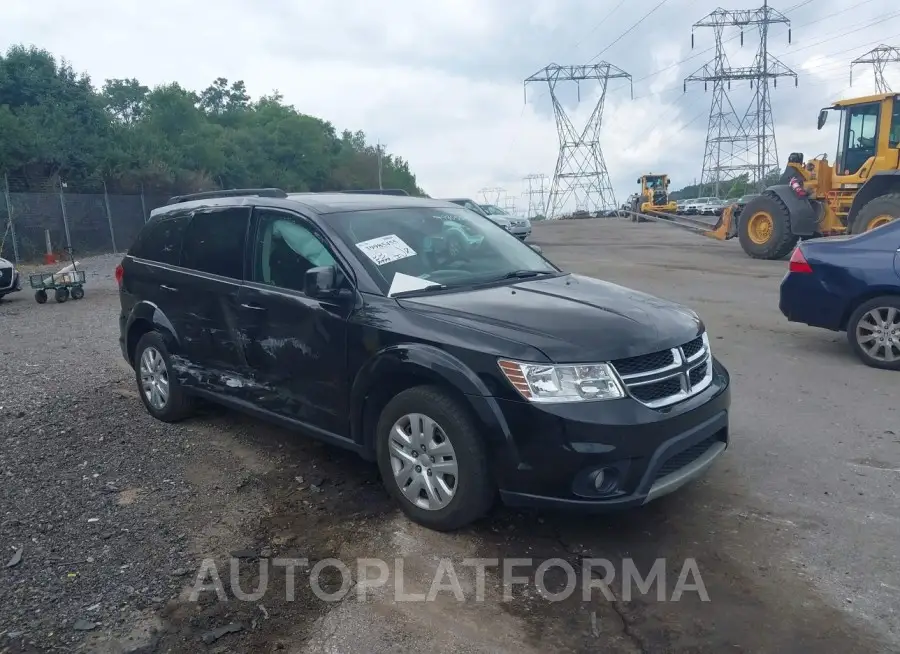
{"points": [[868, 136]]}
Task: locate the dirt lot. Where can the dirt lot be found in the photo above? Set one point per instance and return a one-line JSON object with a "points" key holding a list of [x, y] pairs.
{"points": [[794, 532]]}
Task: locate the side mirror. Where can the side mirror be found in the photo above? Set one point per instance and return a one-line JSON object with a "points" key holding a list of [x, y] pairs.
{"points": [[536, 248], [823, 116], [639, 180], [668, 181], [321, 282]]}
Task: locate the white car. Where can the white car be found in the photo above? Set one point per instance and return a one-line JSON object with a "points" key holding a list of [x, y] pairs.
{"points": [[10, 280]]}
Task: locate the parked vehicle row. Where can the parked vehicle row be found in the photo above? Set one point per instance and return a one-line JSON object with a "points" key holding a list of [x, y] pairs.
{"points": [[429, 341]]}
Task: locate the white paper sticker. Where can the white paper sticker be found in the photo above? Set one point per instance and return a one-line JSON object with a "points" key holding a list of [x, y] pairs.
{"points": [[386, 249], [402, 283]]}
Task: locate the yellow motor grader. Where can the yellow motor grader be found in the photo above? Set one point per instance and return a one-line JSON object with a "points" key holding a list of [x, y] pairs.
{"points": [[654, 195], [858, 192]]}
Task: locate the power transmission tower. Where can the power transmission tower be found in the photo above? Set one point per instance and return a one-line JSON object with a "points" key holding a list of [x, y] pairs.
{"points": [[509, 204], [879, 57], [580, 172], [739, 144], [536, 182], [492, 195]]}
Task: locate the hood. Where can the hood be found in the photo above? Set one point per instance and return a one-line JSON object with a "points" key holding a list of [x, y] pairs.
{"points": [[569, 318], [5, 263], [500, 220]]}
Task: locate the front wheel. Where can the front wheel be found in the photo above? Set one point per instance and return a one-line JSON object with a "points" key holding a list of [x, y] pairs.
{"points": [[432, 459], [765, 228], [874, 332]]}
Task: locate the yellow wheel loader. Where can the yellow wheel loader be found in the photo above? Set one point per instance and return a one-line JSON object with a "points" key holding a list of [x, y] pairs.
{"points": [[859, 192], [654, 195]]}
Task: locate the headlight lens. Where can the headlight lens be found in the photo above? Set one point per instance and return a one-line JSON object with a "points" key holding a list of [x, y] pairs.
{"points": [[539, 382]]}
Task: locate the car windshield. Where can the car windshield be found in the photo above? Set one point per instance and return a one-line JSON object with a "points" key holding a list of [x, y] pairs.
{"points": [[422, 248], [493, 210]]}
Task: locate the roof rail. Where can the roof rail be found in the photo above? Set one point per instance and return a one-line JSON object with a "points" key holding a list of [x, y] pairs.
{"points": [[229, 193], [380, 191]]}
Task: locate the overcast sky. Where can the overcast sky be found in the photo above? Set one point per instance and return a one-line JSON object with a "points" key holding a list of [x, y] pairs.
{"points": [[440, 82]]}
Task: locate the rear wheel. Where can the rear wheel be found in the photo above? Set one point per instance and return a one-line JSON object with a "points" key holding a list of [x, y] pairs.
{"points": [[874, 332], [876, 212], [765, 228], [160, 390]]}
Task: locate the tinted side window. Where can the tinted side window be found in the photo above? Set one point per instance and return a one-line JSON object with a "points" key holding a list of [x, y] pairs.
{"points": [[160, 240], [214, 241]]}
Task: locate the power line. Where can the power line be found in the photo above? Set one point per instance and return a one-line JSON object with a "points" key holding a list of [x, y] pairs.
{"points": [[626, 32], [737, 36]]}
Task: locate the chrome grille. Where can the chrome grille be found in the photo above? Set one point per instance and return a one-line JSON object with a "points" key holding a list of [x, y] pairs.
{"points": [[663, 378], [6, 277]]}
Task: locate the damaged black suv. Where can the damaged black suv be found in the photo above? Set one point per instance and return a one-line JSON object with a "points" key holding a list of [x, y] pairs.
{"points": [[424, 337]]}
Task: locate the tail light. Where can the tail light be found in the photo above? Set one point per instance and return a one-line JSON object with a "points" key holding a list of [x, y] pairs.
{"points": [[120, 273], [799, 264]]}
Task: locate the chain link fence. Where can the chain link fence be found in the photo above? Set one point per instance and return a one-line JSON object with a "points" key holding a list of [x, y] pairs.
{"points": [[35, 223]]}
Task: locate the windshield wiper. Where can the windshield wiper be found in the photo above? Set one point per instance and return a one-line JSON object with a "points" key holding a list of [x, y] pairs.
{"points": [[420, 291], [522, 274]]}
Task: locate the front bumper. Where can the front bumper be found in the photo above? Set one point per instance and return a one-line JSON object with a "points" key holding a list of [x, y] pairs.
{"points": [[14, 285], [646, 453]]}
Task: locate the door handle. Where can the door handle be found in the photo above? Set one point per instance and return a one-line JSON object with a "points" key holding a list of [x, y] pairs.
{"points": [[253, 307], [168, 288]]}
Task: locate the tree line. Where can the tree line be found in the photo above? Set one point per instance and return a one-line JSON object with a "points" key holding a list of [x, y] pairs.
{"points": [[732, 189], [56, 126]]}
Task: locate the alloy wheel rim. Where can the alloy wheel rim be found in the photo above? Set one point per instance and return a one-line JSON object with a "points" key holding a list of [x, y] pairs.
{"points": [[154, 378], [423, 462], [878, 334]]}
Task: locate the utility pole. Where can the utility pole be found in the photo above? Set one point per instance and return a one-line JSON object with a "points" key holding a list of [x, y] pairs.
{"points": [[879, 58], [379, 149], [736, 143], [535, 183], [581, 174], [493, 195]]}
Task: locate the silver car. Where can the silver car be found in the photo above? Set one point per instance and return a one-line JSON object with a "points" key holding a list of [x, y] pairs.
{"points": [[520, 226], [473, 206]]}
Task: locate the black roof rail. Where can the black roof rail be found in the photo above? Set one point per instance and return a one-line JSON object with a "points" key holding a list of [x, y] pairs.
{"points": [[229, 193], [380, 191]]}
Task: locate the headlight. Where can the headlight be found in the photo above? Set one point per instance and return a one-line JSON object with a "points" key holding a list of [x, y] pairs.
{"points": [[539, 382]]}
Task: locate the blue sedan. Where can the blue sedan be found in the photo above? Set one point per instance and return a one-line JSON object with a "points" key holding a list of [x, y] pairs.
{"points": [[850, 284]]}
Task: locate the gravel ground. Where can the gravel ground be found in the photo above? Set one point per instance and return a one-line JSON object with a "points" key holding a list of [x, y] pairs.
{"points": [[794, 530]]}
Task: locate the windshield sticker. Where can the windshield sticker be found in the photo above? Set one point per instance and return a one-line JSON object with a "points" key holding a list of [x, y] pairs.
{"points": [[385, 249], [402, 283]]}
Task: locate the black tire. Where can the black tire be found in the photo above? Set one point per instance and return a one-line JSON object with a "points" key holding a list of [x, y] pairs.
{"points": [[884, 205], [40, 296], [62, 294], [77, 292], [179, 404], [781, 240], [853, 336], [474, 490]]}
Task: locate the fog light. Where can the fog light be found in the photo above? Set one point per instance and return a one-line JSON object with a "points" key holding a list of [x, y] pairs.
{"points": [[606, 480]]}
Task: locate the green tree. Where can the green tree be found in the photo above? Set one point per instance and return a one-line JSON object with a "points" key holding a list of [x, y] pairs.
{"points": [[168, 139]]}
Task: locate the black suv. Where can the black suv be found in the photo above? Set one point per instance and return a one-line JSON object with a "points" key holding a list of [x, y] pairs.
{"points": [[426, 338]]}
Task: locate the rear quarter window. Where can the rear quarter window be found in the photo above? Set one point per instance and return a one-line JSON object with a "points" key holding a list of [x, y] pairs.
{"points": [[214, 242], [160, 240]]}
